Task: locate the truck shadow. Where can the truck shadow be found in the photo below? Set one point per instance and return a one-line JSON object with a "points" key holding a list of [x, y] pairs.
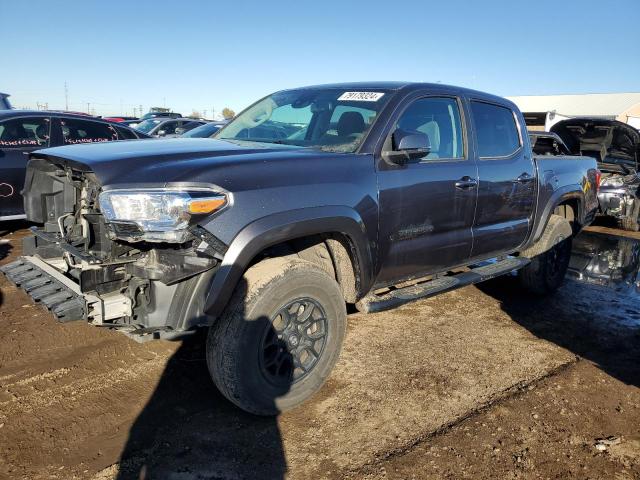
{"points": [[595, 314], [189, 430], [5, 249]]}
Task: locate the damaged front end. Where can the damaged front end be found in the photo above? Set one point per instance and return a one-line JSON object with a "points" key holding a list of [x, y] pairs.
{"points": [[618, 195], [122, 259]]}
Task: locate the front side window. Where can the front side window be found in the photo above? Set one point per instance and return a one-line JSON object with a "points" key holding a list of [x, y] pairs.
{"points": [[439, 119], [24, 133], [329, 119], [85, 131], [496, 130]]}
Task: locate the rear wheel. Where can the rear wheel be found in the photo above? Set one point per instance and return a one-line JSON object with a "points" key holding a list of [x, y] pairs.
{"points": [[546, 271], [279, 337]]}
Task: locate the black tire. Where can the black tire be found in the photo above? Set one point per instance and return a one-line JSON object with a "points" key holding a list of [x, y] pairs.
{"points": [[630, 223], [254, 360], [546, 271]]}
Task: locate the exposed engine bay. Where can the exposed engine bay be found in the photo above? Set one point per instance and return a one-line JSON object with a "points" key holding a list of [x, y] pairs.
{"points": [[616, 147], [81, 266]]}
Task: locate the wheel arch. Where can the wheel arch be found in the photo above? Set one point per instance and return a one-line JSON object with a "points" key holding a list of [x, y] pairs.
{"points": [[340, 229], [567, 202]]}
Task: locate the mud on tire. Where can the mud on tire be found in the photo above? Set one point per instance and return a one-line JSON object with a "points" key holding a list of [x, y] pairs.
{"points": [[279, 337], [546, 271]]}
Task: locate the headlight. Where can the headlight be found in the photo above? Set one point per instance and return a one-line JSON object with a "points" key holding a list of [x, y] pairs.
{"points": [[160, 215]]}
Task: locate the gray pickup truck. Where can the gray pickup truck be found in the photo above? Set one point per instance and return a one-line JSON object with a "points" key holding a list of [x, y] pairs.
{"points": [[372, 194]]}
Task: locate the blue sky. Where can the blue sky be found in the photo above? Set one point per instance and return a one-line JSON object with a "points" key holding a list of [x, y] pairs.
{"points": [[211, 54]]}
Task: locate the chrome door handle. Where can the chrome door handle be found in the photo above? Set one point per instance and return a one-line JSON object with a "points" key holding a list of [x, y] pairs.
{"points": [[466, 183], [524, 178]]}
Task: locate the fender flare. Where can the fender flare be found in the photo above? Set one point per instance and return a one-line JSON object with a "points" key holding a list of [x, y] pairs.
{"points": [[280, 227], [568, 192]]}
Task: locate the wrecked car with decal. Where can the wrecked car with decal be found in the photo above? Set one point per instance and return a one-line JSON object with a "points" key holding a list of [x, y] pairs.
{"points": [[616, 147]]}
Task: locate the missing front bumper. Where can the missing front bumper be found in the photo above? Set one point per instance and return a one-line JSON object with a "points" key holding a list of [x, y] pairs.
{"points": [[58, 294], [62, 296]]}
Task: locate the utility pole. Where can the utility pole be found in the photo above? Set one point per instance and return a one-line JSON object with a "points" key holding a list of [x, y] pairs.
{"points": [[66, 96], [88, 109], [140, 110]]}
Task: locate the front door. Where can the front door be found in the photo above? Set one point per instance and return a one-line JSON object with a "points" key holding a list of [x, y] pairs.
{"points": [[427, 206], [507, 189], [18, 137]]}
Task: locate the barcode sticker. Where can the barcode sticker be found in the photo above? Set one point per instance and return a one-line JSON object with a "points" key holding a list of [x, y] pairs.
{"points": [[361, 96]]}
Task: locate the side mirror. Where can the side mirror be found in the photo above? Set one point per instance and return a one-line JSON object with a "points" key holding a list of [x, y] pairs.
{"points": [[161, 133], [407, 145]]}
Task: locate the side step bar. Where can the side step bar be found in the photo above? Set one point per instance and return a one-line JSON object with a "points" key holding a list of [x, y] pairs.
{"points": [[66, 303], [394, 298]]}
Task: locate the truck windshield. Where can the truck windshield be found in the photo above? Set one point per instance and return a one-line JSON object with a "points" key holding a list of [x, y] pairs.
{"points": [[329, 119]]}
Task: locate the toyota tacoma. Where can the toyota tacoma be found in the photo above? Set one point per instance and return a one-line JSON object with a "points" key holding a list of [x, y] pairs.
{"points": [[369, 194]]}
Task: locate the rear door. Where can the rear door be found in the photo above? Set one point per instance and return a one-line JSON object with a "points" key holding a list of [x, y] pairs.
{"points": [[18, 137], [507, 188], [427, 205]]}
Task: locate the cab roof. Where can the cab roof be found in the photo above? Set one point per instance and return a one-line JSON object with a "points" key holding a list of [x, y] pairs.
{"points": [[413, 86]]}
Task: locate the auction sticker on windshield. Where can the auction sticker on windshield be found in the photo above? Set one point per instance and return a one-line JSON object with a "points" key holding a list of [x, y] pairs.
{"points": [[361, 96]]}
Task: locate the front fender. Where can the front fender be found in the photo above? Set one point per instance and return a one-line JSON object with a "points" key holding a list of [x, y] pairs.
{"points": [[280, 227]]}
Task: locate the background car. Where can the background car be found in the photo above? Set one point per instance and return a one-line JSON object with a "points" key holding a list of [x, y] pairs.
{"points": [[204, 131], [547, 143], [120, 119], [23, 131], [166, 127], [148, 115]]}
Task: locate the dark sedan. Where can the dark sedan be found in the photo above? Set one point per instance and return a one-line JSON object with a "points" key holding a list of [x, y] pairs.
{"points": [[167, 127], [23, 131]]}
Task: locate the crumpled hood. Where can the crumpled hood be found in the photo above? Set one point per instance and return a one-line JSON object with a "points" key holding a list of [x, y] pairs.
{"points": [[611, 142], [154, 161]]}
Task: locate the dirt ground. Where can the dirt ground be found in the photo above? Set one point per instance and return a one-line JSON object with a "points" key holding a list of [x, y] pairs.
{"points": [[483, 382]]}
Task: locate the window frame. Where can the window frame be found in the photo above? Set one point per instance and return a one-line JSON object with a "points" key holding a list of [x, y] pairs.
{"points": [[87, 120], [46, 118], [516, 121], [422, 96]]}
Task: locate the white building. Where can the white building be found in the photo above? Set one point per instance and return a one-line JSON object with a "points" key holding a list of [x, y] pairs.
{"points": [[542, 111]]}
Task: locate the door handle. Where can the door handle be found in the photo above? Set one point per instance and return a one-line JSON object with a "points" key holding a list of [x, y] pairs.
{"points": [[466, 183], [524, 178]]}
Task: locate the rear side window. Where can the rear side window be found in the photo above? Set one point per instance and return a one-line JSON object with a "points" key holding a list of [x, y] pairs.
{"points": [[24, 133], [126, 134], [496, 130], [84, 131]]}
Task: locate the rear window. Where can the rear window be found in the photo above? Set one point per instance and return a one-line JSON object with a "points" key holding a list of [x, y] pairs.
{"points": [[126, 134], [83, 131], [496, 130]]}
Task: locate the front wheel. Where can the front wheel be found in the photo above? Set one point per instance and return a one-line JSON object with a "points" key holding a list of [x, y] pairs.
{"points": [[279, 337], [546, 271]]}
